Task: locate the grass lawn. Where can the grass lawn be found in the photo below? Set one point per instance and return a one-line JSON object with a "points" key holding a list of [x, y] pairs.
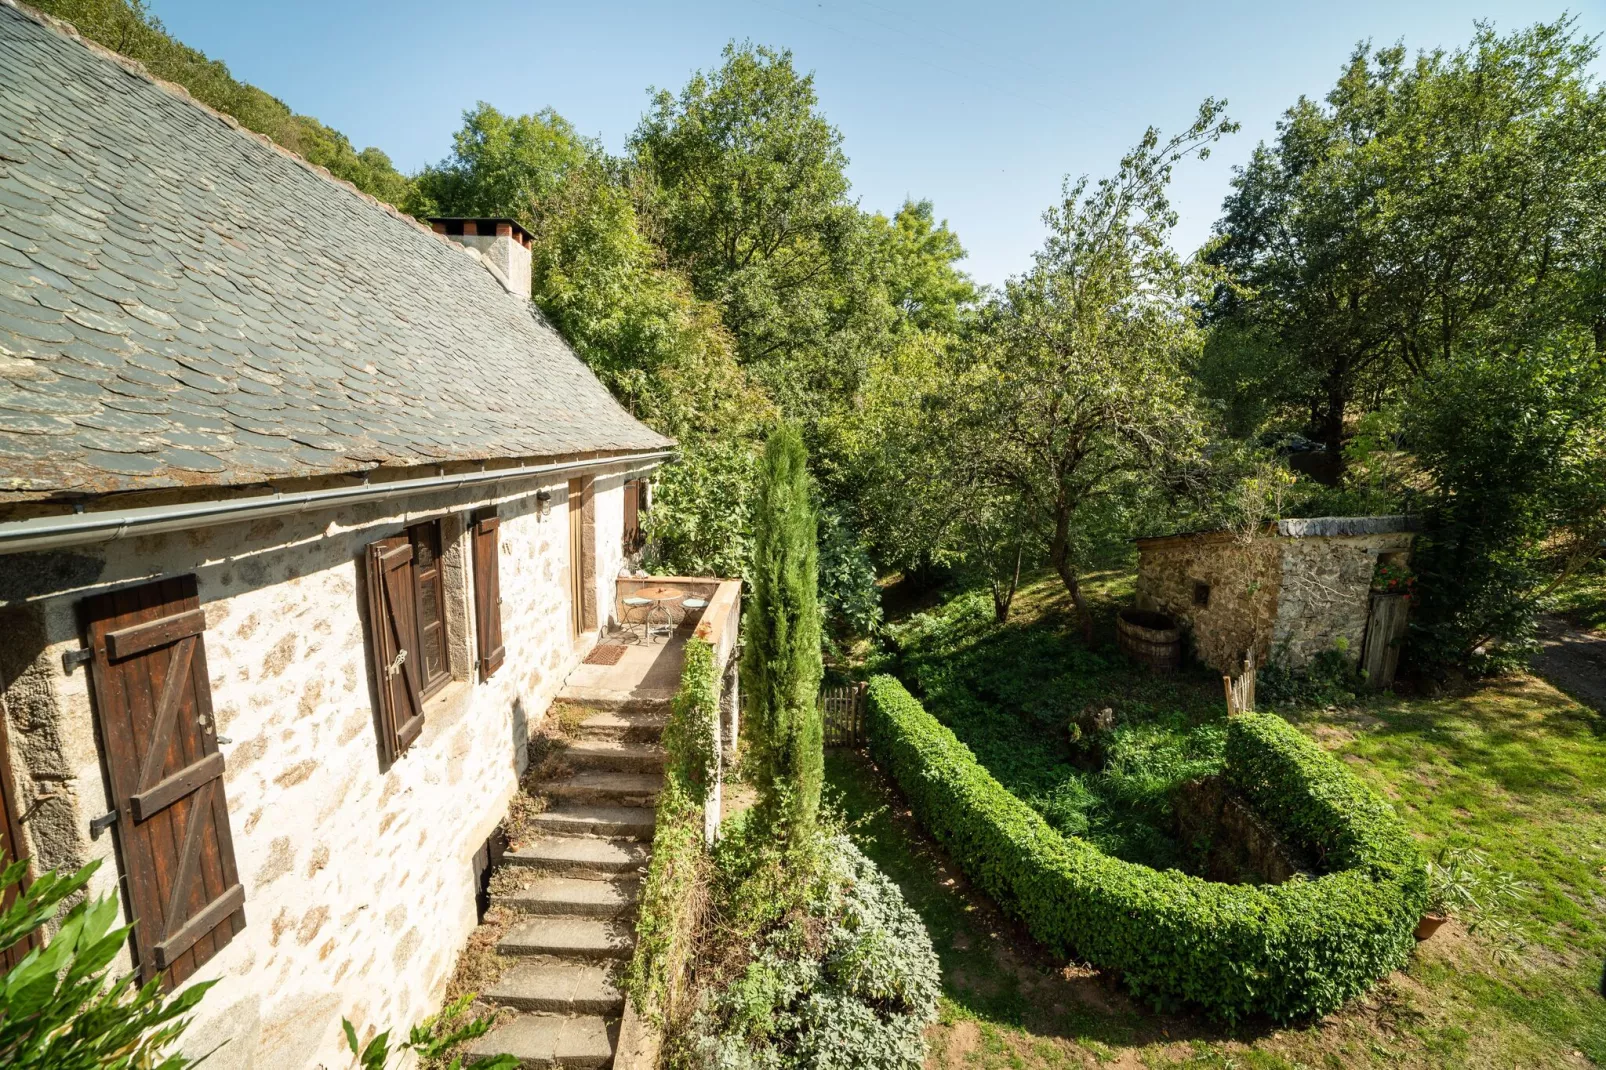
{"points": [[1512, 767]]}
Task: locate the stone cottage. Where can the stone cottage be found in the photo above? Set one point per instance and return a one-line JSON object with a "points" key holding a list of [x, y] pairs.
{"points": [[305, 514], [1291, 590]]}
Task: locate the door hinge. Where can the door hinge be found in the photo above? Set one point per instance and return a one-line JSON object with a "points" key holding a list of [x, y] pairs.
{"points": [[100, 824], [70, 659]]}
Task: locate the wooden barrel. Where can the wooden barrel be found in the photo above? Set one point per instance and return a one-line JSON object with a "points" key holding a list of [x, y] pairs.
{"points": [[1151, 638]]}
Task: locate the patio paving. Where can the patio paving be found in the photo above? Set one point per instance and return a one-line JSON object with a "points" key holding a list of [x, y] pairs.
{"points": [[646, 675]]}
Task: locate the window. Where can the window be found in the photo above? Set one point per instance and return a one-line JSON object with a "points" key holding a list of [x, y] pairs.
{"points": [[429, 588], [153, 702], [1201, 594]]}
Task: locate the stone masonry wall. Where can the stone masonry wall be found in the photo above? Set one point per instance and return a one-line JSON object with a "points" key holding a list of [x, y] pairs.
{"points": [[1326, 592], [359, 884], [1243, 577]]}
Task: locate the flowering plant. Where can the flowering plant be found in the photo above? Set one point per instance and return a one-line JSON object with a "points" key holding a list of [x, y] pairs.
{"points": [[1393, 578]]}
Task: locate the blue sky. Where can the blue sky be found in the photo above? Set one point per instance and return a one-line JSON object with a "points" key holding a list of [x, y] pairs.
{"points": [[981, 108]]}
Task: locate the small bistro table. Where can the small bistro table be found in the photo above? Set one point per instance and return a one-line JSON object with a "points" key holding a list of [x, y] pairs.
{"points": [[661, 598]]}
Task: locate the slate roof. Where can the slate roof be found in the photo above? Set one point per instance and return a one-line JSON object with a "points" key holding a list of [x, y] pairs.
{"points": [[183, 303]]}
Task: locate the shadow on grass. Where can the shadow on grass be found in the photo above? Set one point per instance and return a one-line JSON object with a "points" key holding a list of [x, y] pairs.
{"points": [[992, 970]]}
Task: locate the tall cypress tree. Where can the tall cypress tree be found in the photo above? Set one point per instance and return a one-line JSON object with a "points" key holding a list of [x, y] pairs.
{"points": [[781, 666]]}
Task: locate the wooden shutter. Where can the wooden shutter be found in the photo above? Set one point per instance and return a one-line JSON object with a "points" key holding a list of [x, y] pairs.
{"points": [[13, 846], [154, 701], [632, 516], [393, 642], [488, 592]]}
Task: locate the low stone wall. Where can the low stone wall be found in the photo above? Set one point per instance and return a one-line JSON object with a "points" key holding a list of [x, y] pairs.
{"points": [[1230, 842], [1326, 585]]}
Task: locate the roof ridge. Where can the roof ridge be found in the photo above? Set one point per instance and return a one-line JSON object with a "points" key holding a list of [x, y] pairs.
{"points": [[173, 89]]}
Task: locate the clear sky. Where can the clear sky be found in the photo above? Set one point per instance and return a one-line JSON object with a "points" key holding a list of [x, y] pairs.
{"points": [[981, 107]]}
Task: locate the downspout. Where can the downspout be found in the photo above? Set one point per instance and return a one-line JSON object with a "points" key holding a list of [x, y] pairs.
{"points": [[76, 529]]}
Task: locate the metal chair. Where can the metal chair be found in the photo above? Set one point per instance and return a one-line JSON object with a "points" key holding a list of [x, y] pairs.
{"points": [[690, 605], [638, 611]]}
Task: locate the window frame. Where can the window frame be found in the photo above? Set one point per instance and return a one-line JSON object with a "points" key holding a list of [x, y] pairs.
{"points": [[430, 533]]}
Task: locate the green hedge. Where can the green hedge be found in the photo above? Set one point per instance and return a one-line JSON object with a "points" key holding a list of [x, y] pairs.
{"points": [[1288, 951], [677, 872]]}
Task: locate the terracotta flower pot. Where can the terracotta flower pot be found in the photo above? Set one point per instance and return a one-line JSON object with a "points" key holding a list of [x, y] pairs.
{"points": [[1429, 925]]}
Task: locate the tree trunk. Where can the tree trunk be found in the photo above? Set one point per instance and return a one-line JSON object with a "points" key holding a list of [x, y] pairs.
{"points": [[1004, 596], [1060, 554]]}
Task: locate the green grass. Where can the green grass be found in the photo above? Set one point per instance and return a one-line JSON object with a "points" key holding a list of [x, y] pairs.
{"points": [[1582, 598], [1511, 767]]}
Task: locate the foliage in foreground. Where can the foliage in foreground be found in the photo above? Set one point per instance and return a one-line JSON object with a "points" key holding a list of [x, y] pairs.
{"points": [[1288, 951], [847, 980], [781, 665], [58, 1009], [670, 897], [429, 1043]]}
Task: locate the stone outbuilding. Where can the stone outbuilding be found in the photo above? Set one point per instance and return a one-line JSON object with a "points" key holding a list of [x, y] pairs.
{"points": [[305, 516], [1287, 591]]}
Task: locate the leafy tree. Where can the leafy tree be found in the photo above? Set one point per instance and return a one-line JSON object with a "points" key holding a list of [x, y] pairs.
{"points": [[59, 1010], [920, 258], [1428, 203], [781, 666], [1082, 401], [128, 27], [1515, 444]]}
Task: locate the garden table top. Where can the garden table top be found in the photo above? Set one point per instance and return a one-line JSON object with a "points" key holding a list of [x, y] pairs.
{"points": [[659, 594]]}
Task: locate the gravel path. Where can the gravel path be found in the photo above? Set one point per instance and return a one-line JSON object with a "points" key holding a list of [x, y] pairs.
{"points": [[1573, 659]]}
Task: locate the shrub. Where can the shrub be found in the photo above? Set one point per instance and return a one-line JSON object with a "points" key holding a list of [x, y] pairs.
{"points": [[849, 984], [1286, 951], [670, 896]]}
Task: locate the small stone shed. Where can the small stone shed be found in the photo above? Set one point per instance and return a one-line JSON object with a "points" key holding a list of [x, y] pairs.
{"points": [[1292, 589]]}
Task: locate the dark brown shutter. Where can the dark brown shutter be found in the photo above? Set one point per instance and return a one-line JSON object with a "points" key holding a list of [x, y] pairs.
{"points": [[12, 844], [632, 516], [488, 592], [154, 701], [392, 608]]}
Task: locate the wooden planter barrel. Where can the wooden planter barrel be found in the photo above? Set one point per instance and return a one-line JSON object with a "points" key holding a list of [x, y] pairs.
{"points": [[1151, 638]]}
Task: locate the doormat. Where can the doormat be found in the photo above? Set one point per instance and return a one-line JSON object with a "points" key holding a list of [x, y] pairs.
{"points": [[605, 655]]}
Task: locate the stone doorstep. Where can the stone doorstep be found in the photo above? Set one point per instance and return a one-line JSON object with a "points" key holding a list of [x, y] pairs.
{"points": [[618, 789], [580, 855], [542, 1040], [570, 938], [611, 756], [637, 727], [559, 988], [614, 822], [637, 700], [574, 897]]}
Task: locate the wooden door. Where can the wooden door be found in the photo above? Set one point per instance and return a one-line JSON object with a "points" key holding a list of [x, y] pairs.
{"points": [[1385, 631], [577, 572], [153, 701]]}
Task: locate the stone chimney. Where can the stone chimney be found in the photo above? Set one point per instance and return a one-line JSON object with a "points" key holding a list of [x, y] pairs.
{"points": [[503, 245]]}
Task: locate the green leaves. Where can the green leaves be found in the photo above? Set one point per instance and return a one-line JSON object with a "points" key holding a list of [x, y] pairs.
{"points": [[429, 1042], [58, 1009]]}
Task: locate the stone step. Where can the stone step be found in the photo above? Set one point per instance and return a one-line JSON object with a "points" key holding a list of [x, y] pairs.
{"points": [[583, 1042], [607, 755], [632, 726], [573, 897], [580, 856], [636, 700], [611, 822], [558, 988], [618, 789], [569, 938]]}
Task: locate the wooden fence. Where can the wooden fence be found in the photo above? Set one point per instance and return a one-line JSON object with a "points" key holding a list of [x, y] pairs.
{"points": [[843, 709]]}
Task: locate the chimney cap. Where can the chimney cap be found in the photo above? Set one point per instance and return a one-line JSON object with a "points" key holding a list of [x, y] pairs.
{"points": [[486, 226]]}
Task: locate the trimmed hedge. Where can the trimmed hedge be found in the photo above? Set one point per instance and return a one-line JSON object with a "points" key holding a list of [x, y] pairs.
{"points": [[1287, 951]]}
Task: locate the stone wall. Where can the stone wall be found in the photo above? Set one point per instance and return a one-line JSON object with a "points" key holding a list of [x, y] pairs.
{"points": [[1242, 575], [1289, 596], [1326, 592], [359, 880]]}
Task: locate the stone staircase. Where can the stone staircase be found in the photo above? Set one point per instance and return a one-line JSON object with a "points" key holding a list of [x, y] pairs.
{"points": [[582, 871]]}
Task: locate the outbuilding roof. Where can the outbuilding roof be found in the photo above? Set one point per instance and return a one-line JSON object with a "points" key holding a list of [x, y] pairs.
{"points": [[182, 302], [1309, 527]]}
